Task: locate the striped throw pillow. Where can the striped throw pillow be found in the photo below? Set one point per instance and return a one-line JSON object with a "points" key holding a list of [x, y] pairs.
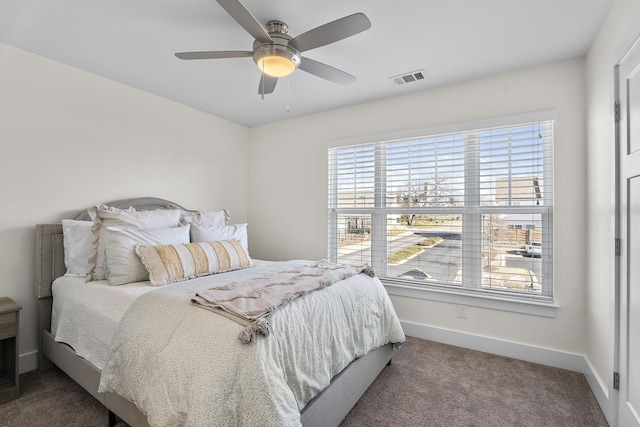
{"points": [[168, 264]]}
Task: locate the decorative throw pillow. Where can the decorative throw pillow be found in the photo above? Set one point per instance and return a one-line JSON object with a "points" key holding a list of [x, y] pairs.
{"points": [[212, 233], [122, 264], [77, 240], [104, 216], [174, 263]]}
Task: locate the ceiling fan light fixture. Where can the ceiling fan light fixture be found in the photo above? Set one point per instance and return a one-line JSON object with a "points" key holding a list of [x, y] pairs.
{"points": [[276, 60], [276, 66]]}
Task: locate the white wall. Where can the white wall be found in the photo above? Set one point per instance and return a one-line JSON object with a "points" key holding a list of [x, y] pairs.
{"points": [[621, 26], [288, 189], [70, 139]]}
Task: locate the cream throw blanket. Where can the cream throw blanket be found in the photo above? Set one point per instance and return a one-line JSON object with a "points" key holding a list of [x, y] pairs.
{"points": [[252, 301]]}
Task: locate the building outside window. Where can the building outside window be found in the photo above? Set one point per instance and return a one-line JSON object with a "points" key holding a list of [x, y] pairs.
{"points": [[451, 210]]}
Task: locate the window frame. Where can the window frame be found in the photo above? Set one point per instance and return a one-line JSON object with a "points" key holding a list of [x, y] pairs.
{"points": [[542, 305]]}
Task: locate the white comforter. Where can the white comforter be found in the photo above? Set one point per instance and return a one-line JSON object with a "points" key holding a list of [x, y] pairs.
{"points": [[86, 315], [182, 365]]}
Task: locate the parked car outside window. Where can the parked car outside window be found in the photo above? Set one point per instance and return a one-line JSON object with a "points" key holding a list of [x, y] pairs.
{"points": [[533, 248]]}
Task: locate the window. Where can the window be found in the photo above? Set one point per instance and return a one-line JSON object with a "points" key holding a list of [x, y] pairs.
{"points": [[454, 210]]}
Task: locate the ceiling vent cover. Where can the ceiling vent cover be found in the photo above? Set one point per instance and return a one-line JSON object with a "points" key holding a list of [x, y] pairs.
{"points": [[413, 76]]}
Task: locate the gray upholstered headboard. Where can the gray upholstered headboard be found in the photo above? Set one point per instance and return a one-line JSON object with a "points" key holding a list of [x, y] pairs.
{"points": [[49, 257], [50, 252]]}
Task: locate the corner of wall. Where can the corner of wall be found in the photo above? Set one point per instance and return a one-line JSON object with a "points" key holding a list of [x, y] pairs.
{"points": [[600, 390]]}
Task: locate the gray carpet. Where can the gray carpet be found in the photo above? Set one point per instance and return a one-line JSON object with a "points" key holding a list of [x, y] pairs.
{"points": [[428, 384], [437, 385]]}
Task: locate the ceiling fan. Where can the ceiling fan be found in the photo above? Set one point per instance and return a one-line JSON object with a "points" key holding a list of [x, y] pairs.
{"points": [[277, 54]]}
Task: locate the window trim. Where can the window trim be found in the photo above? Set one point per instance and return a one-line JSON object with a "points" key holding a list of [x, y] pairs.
{"points": [[533, 305], [521, 305]]}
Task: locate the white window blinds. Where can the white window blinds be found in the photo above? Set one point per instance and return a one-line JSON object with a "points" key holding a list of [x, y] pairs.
{"points": [[470, 209]]}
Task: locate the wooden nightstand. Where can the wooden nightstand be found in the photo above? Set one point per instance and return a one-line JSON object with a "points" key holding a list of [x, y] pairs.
{"points": [[9, 346]]}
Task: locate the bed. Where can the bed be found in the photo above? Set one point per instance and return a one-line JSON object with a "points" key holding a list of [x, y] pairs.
{"points": [[323, 407]]}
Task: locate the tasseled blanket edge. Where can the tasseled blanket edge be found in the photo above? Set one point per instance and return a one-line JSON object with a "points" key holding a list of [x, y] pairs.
{"points": [[251, 331], [366, 269]]}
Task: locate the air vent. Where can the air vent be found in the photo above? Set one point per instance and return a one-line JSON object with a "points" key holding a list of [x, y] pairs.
{"points": [[408, 78]]}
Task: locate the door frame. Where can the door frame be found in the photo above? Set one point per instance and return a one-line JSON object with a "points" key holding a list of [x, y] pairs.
{"points": [[617, 309], [624, 47]]}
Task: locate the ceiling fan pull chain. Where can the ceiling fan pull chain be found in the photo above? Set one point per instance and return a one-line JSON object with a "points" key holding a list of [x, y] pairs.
{"points": [[262, 77], [288, 95]]}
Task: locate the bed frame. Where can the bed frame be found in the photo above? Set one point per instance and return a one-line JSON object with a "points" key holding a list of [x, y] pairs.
{"points": [[326, 409]]}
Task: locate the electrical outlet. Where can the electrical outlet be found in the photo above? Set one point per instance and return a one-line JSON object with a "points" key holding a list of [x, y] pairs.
{"points": [[462, 311]]}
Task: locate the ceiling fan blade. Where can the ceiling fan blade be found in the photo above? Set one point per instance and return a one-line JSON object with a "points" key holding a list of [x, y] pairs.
{"points": [[331, 32], [246, 19], [326, 72], [267, 84], [214, 54]]}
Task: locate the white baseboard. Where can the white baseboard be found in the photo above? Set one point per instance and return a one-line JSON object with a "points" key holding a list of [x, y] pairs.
{"points": [[28, 362], [542, 356], [601, 391]]}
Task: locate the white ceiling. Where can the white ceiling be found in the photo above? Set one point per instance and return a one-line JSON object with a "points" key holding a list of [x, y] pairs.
{"points": [[134, 41]]}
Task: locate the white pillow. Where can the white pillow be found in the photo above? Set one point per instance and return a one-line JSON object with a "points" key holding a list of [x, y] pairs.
{"points": [[214, 233], [206, 218], [77, 241], [104, 216], [122, 264]]}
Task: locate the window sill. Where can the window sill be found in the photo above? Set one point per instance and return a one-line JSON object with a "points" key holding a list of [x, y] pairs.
{"points": [[491, 301]]}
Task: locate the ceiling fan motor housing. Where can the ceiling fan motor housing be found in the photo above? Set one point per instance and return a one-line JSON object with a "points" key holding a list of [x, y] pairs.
{"points": [[280, 46]]}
